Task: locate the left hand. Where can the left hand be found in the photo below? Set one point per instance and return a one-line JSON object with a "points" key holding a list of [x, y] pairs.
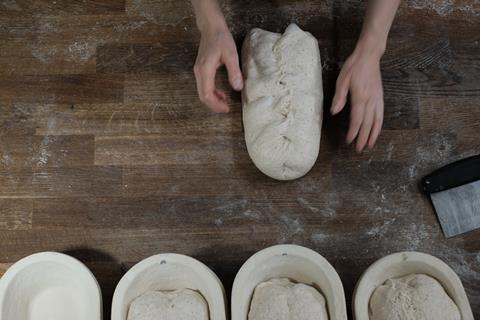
{"points": [[360, 76]]}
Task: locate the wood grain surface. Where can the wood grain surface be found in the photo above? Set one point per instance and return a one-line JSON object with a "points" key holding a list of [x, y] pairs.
{"points": [[107, 154]]}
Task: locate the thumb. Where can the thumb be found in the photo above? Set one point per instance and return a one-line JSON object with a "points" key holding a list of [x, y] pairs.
{"points": [[341, 92], [233, 68]]}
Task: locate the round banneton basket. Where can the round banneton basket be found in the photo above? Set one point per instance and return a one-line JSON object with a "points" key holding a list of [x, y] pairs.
{"points": [[404, 263], [52, 286], [296, 263], [167, 272]]}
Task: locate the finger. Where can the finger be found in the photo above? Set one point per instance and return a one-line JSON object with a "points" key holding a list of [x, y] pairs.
{"points": [[366, 126], [377, 125], [230, 60], [205, 76], [341, 92], [356, 118]]}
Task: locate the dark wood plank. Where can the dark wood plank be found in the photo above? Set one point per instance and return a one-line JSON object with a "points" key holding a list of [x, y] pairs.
{"points": [[39, 57], [178, 89], [79, 181], [459, 116], [171, 150], [46, 151], [44, 182], [16, 214], [65, 89], [170, 12], [16, 120], [61, 7], [135, 119], [64, 44], [16, 183], [161, 57], [191, 180], [296, 211]]}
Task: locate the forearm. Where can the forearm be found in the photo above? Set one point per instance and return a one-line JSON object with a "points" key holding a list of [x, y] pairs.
{"points": [[208, 14], [378, 20]]}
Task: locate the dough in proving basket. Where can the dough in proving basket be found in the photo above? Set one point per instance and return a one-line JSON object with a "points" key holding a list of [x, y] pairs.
{"points": [[415, 296], [183, 304], [282, 101], [282, 299]]}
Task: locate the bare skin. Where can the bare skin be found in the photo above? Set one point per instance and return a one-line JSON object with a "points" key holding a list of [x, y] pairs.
{"points": [[217, 48], [360, 78]]}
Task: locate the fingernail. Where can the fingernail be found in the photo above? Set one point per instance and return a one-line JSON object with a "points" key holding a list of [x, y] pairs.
{"points": [[237, 83]]}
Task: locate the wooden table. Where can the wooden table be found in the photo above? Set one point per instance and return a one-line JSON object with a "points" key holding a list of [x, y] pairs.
{"points": [[107, 154]]}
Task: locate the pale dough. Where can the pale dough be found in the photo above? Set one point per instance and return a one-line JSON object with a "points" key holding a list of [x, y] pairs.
{"points": [[412, 297], [281, 299], [282, 101], [184, 304]]}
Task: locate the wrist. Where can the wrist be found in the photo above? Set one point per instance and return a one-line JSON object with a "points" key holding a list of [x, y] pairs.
{"points": [[371, 45], [209, 16], [212, 25]]}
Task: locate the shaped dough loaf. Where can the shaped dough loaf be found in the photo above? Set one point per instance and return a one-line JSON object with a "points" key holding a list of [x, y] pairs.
{"points": [[282, 101], [416, 296], [281, 299], [184, 304]]}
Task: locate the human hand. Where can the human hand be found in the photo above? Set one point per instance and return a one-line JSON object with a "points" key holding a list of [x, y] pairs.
{"points": [[361, 77], [217, 48]]}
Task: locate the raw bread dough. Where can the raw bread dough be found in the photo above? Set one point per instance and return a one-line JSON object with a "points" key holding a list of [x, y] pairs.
{"points": [[281, 299], [415, 297], [282, 101], [184, 304]]}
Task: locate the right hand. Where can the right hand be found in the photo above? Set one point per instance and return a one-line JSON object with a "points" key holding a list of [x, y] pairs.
{"points": [[217, 48]]}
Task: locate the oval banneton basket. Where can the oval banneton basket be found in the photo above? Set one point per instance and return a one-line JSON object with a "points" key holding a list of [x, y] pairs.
{"points": [[401, 264], [297, 263], [167, 272], [49, 285]]}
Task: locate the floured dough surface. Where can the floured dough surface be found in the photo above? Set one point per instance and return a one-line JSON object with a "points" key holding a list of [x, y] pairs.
{"points": [[184, 304], [282, 101], [281, 299], [412, 297]]}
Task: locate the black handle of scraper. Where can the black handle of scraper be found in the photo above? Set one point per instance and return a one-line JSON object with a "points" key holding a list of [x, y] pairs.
{"points": [[453, 175]]}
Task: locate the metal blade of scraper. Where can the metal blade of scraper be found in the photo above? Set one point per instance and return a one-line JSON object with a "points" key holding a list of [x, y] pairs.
{"points": [[455, 193], [458, 209]]}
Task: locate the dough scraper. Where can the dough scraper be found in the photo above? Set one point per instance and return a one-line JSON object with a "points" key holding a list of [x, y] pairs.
{"points": [[455, 193]]}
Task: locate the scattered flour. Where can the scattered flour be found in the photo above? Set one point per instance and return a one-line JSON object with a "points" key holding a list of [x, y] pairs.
{"points": [[381, 230], [130, 26], [6, 160], [253, 214], [446, 7], [81, 50], [10, 5], [441, 7], [44, 53], [319, 237]]}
